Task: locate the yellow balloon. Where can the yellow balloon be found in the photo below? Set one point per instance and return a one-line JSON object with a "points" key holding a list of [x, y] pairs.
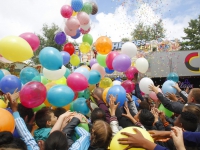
{"points": [[75, 60], [105, 82], [62, 81], [91, 87], [115, 144], [133, 64], [15, 49], [105, 94], [3, 104], [74, 13], [84, 47], [48, 86]]}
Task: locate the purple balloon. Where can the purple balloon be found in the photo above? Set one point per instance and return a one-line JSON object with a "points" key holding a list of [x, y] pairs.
{"points": [[92, 62], [121, 63], [66, 57], [60, 38]]}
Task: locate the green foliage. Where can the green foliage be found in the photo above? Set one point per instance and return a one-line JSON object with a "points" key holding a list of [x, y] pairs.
{"points": [[125, 40]]}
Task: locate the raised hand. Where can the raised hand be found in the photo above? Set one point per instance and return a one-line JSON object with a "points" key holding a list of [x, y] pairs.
{"points": [[113, 107]]}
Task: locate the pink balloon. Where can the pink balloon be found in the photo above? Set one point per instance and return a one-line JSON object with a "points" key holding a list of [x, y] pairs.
{"points": [[154, 96], [128, 85], [131, 72], [32, 39], [77, 81], [85, 31], [33, 94], [70, 32], [99, 68], [66, 11], [83, 18], [109, 59], [72, 23]]}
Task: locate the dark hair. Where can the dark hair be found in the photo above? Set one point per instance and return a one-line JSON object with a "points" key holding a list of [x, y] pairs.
{"points": [[56, 140], [98, 114], [144, 105], [59, 111], [42, 116], [196, 94], [23, 111], [146, 117], [193, 108], [189, 121], [8, 141]]}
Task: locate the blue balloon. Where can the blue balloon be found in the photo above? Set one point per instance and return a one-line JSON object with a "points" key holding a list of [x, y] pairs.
{"points": [[83, 71], [135, 99], [10, 83], [60, 95], [27, 74], [66, 57], [77, 5], [80, 106], [119, 91], [1, 75], [78, 34], [67, 73], [60, 38], [51, 58], [95, 77], [108, 71], [168, 87], [173, 76]]}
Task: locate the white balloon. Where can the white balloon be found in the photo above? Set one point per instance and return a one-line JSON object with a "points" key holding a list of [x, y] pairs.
{"points": [[116, 82], [142, 65], [129, 49], [54, 75], [5, 72], [144, 85], [85, 27]]}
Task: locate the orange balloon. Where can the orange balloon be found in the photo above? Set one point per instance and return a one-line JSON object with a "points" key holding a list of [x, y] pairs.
{"points": [[105, 94], [67, 107], [103, 45], [85, 66], [48, 86], [7, 122]]}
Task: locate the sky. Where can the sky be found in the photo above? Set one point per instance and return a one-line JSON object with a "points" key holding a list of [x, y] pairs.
{"points": [[115, 18]]}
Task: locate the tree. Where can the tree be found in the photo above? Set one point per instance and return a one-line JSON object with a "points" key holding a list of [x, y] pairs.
{"points": [[125, 40], [192, 38]]}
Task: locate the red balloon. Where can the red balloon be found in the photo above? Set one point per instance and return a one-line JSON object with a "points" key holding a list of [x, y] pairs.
{"points": [[131, 72], [33, 94], [128, 85], [75, 95], [109, 59], [69, 47]]}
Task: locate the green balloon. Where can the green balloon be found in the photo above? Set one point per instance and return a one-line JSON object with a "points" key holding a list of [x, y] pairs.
{"points": [[88, 39], [71, 106], [87, 7], [85, 94], [167, 112], [67, 73], [84, 126], [41, 79], [38, 108], [101, 59]]}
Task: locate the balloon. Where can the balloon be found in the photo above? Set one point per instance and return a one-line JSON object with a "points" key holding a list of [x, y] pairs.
{"points": [[3, 72], [48, 86], [69, 47], [128, 85], [119, 91], [85, 66], [83, 18], [15, 49], [84, 47], [70, 32], [95, 77], [72, 23], [78, 34], [80, 106], [83, 71], [41, 79], [88, 39], [109, 59], [115, 144], [85, 94], [77, 5], [3, 104], [10, 83], [60, 38], [142, 65], [129, 49], [101, 59], [74, 60], [104, 94], [27, 74], [87, 7], [108, 71], [173, 76], [103, 45], [94, 8], [144, 85], [67, 73], [7, 122], [116, 82], [66, 11], [85, 27], [51, 58], [168, 87], [66, 57], [74, 13], [54, 75], [153, 95], [60, 95], [121, 63], [98, 91], [167, 112], [131, 72], [33, 94], [77, 81], [85, 31], [92, 62], [105, 82], [135, 100], [99, 68], [61, 81], [38, 108]]}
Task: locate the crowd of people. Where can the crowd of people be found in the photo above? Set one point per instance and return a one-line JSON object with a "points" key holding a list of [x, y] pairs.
{"points": [[61, 129]]}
